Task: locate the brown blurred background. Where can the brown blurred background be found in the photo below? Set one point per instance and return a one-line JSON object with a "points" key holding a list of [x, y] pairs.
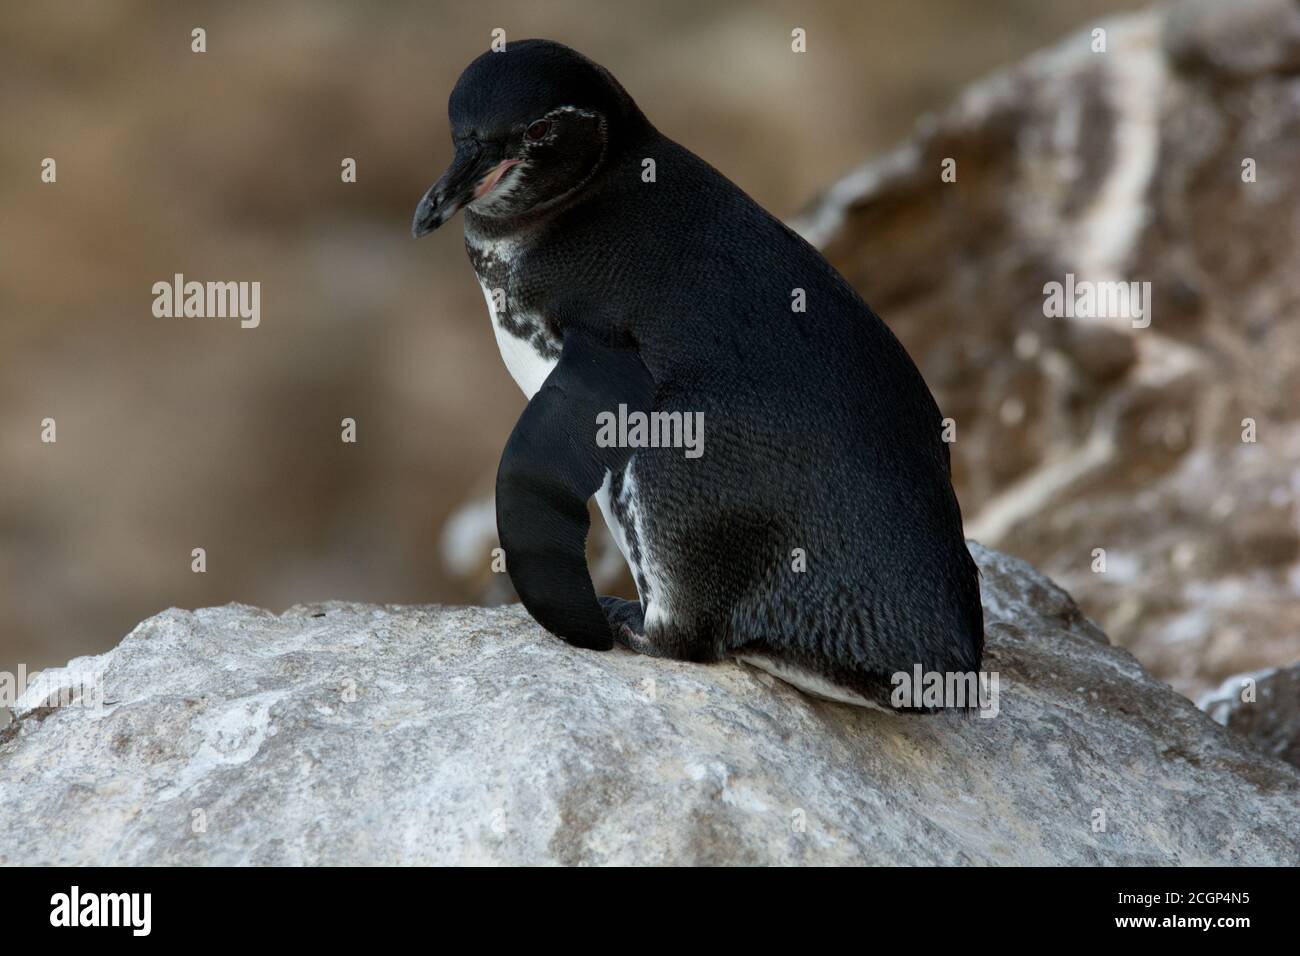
{"points": [[182, 433]]}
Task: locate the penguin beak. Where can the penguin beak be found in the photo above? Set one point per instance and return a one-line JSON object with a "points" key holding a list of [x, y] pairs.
{"points": [[471, 175]]}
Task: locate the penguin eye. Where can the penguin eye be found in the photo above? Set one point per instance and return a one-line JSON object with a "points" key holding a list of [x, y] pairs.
{"points": [[538, 130]]}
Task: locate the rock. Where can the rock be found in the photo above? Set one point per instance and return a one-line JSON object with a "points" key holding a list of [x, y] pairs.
{"points": [[359, 734], [1169, 158], [1270, 713]]}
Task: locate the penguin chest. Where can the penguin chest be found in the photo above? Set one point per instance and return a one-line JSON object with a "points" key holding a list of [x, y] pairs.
{"points": [[527, 347], [526, 353]]}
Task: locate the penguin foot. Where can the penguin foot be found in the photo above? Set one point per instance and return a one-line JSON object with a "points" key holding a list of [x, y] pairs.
{"points": [[627, 625], [627, 622]]}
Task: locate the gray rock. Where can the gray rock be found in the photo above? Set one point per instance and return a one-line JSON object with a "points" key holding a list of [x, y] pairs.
{"points": [[1170, 158], [1263, 707], [357, 734]]}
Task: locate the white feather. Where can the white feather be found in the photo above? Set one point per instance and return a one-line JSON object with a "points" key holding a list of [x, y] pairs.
{"points": [[810, 683], [526, 366]]}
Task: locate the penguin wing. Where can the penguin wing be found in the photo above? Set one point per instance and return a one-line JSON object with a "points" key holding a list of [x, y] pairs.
{"points": [[550, 468]]}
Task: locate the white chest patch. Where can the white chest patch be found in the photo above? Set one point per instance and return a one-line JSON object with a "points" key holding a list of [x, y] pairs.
{"points": [[528, 368]]}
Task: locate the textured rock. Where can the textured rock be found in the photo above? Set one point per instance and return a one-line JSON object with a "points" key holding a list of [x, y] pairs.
{"points": [[1263, 707], [1075, 434], [345, 733]]}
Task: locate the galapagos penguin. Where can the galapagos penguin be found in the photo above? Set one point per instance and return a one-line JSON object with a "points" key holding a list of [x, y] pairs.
{"points": [[818, 535]]}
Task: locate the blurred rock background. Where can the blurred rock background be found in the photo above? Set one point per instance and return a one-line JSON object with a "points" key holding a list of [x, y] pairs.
{"points": [[182, 433], [1153, 472]]}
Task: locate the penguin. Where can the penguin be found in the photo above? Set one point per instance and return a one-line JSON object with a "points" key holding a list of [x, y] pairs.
{"points": [[817, 535]]}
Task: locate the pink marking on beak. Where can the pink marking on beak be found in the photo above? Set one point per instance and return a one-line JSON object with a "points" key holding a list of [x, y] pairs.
{"points": [[489, 182]]}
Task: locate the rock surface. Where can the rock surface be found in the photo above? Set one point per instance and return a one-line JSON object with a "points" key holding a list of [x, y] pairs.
{"points": [[1077, 434], [357, 734], [1264, 707]]}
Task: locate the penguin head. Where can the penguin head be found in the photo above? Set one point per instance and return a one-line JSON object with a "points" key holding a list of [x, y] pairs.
{"points": [[532, 125]]}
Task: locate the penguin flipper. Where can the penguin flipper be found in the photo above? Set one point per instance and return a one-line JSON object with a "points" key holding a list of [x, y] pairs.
{"points": [[550, 468]]}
